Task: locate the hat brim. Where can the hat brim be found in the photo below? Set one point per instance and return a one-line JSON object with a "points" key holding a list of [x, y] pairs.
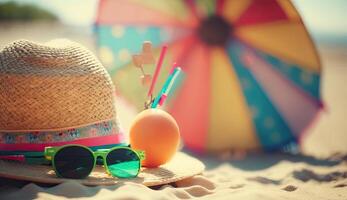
{"points": [[180, 167]]}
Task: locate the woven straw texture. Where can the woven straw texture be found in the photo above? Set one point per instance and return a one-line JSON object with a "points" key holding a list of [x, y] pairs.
{"points": [[180, 167], [54, 85]]}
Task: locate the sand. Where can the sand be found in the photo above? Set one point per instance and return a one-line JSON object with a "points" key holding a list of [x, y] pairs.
{"points": [[258, 176], [318, 172]]}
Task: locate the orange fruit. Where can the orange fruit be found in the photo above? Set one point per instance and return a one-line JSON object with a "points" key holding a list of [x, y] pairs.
{"points": [[156, 132]]}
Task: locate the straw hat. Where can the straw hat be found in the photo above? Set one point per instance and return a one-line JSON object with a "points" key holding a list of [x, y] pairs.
{"points": [[58, 93]]}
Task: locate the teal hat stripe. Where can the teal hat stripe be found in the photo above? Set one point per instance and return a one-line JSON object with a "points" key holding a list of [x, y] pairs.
{"points": [[40, 153], [123, 41], [105, 128]]}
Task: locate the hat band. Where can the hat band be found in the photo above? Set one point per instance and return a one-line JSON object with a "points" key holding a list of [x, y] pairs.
{"points": [[93, 132]]}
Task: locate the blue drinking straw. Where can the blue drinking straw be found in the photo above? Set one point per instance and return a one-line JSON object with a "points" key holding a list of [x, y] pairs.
{"points": [[167, 86]]}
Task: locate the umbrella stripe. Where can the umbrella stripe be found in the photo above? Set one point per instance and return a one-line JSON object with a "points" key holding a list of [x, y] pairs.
{"points": [[230, 119], [201, 8], [129, 12], [206, 7], [116, 50], [288, 41], [179, 52], [296, 109], [233, 9], [190, 4], [306, 81], [289, 9], [182, 48], [272, 130], [180, 11], [220, 4], [194, 95], [261, 11]]}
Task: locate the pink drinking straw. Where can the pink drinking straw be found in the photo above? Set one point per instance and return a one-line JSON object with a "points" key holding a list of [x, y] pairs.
{"points": [[157, 70], [174, 65]]}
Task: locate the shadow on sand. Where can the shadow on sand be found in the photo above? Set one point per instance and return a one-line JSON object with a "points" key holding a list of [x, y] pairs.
{"points": [[261, 160]]}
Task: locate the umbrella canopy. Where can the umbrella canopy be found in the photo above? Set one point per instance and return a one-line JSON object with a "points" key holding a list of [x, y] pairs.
{"points": [[252, 72]]}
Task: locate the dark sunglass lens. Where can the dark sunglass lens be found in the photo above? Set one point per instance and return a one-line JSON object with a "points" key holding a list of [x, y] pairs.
{"points": [[123, 163], [74, 162]]}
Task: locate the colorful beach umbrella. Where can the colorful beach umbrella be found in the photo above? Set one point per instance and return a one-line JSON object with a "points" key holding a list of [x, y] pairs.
{"points": [[252, 74]]}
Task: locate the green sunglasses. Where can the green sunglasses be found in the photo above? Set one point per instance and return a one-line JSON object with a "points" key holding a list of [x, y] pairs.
{"points": [[77, 161]]}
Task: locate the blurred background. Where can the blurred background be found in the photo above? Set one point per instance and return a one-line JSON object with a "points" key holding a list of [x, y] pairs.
{"points": [[41, 20]]}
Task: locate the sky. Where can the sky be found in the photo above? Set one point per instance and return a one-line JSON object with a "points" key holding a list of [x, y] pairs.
{"points": [[322, 17]]}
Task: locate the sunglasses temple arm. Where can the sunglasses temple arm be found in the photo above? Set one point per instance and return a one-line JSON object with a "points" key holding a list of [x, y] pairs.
{"points": [[141, 154], [49, 152], [37, 161]]}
